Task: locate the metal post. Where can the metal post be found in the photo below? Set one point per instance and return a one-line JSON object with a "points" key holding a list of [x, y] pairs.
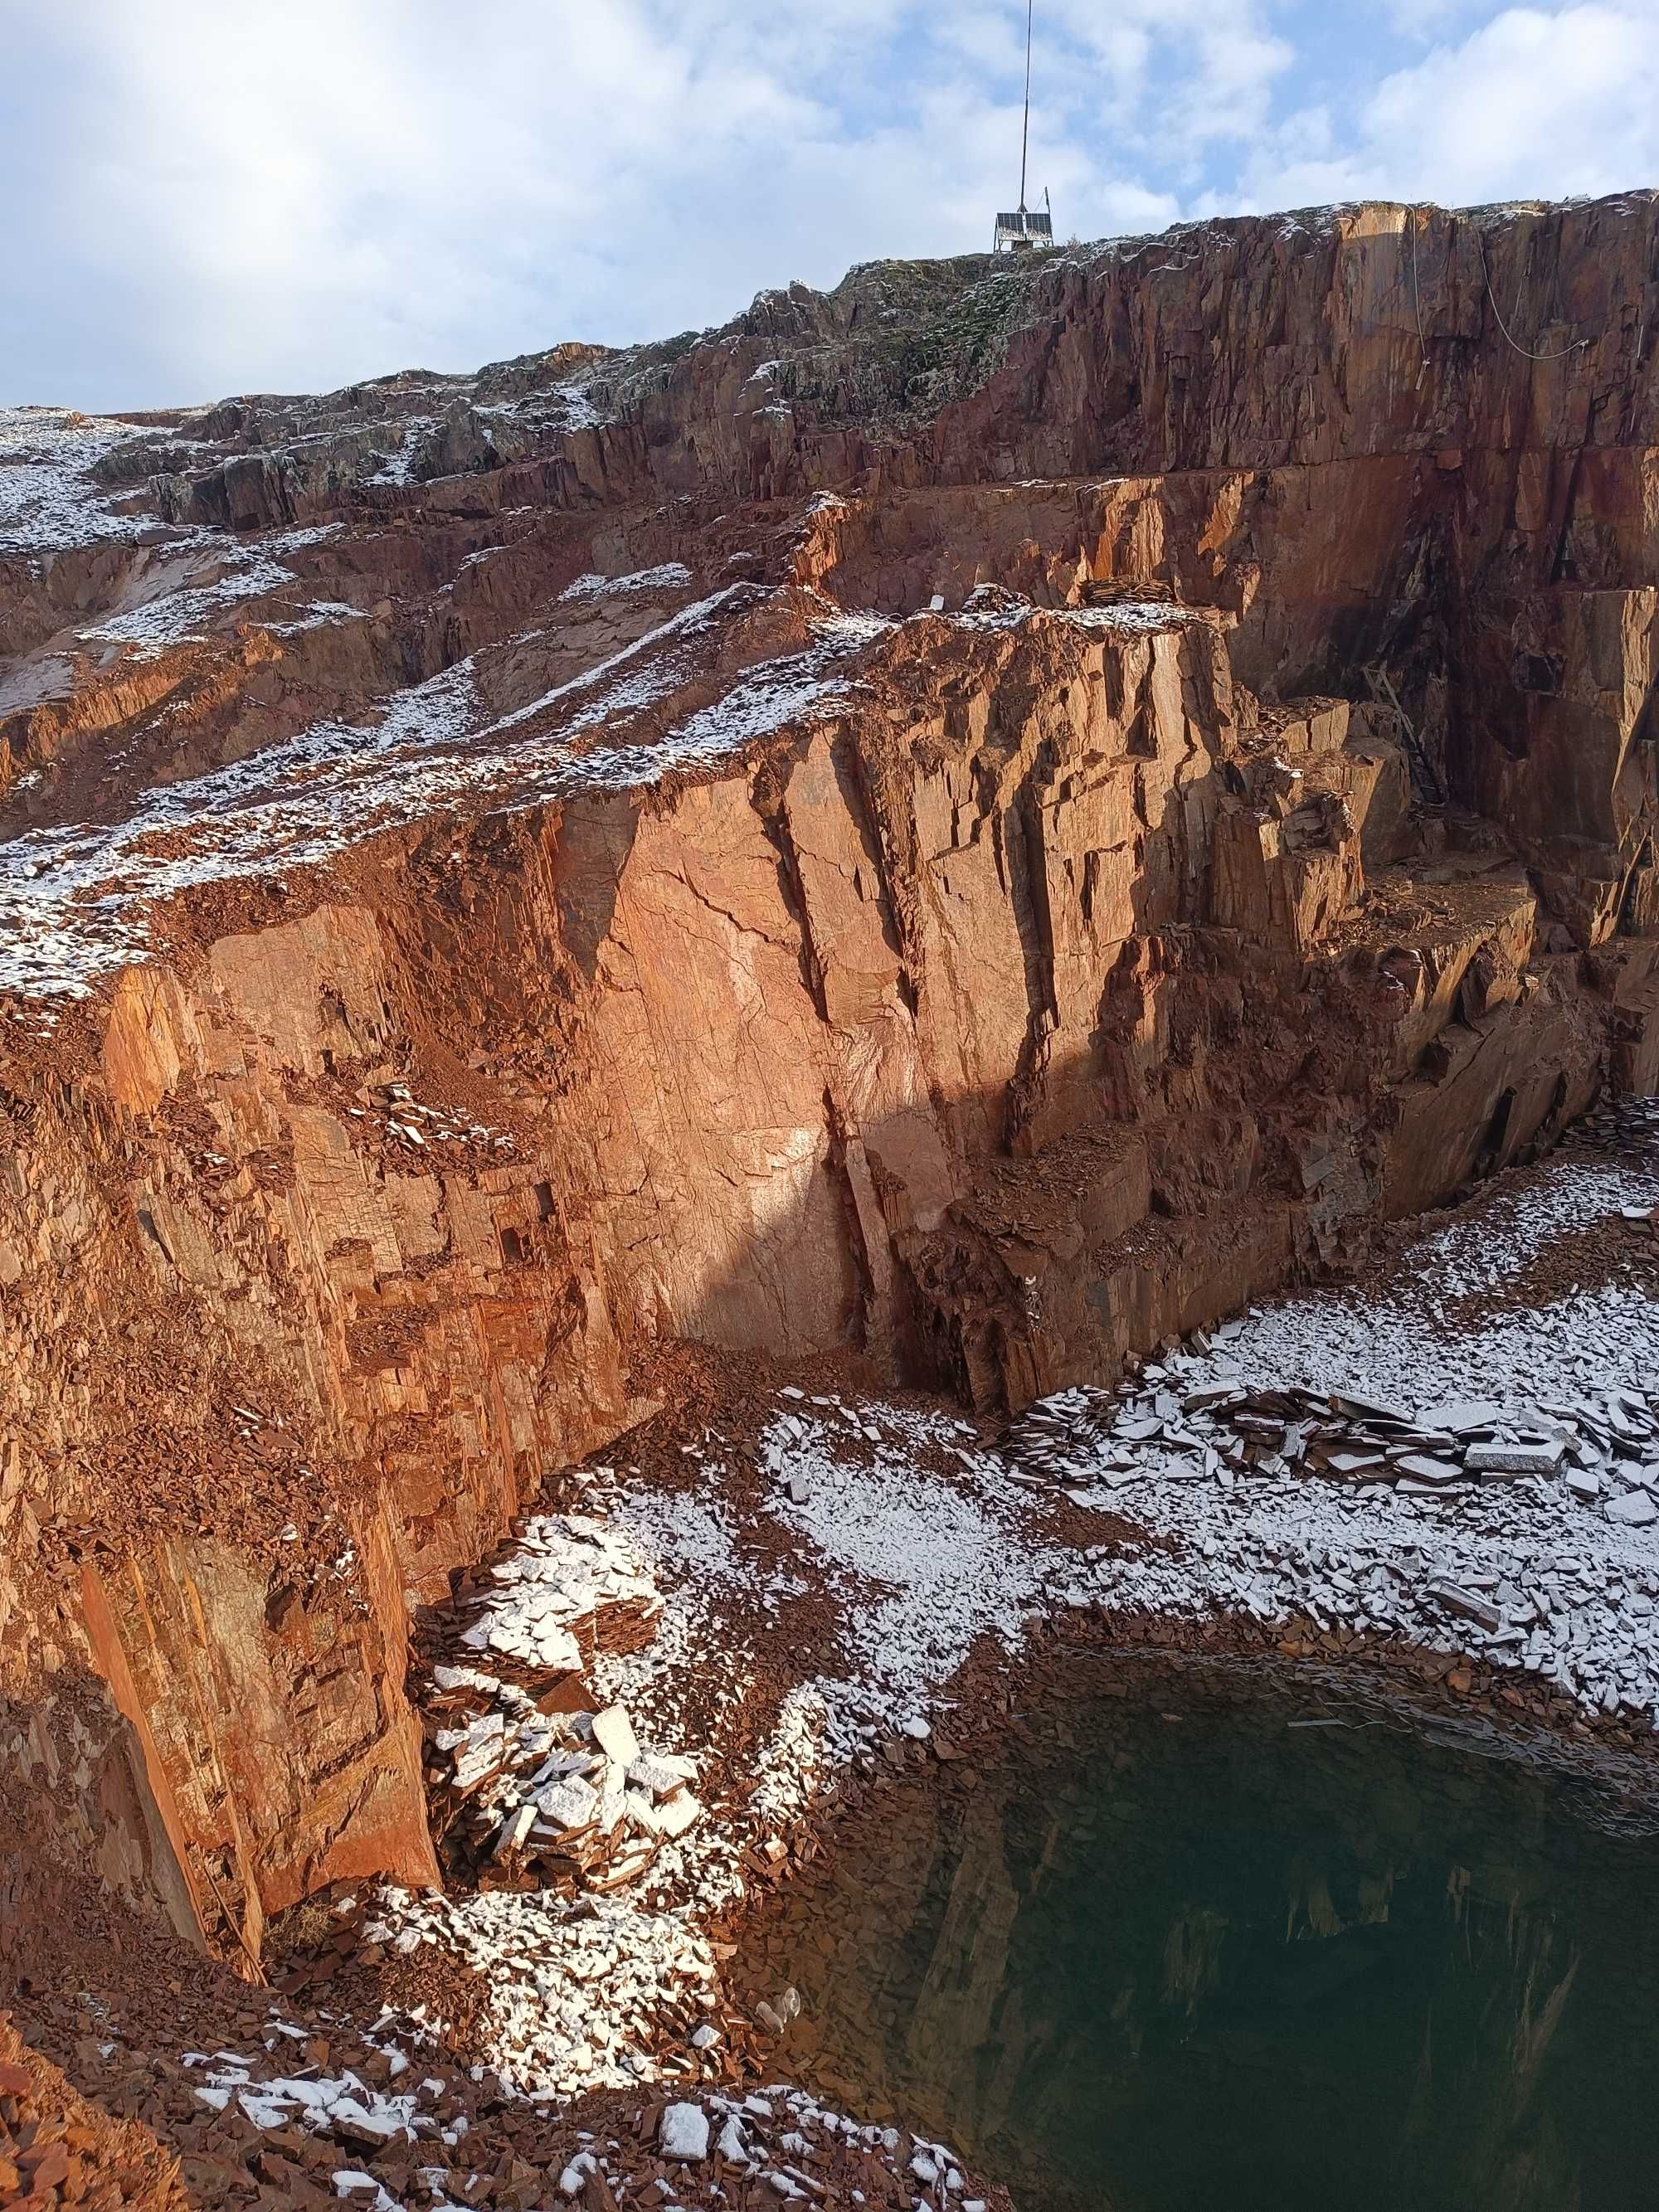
{"points": [[1025, 127]]}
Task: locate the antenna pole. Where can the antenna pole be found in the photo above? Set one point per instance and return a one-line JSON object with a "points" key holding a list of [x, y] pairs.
{"points": [[1025, 127]]}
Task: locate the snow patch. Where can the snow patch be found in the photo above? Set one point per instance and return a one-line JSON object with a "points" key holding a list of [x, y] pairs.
{"points": [[669, 575]]}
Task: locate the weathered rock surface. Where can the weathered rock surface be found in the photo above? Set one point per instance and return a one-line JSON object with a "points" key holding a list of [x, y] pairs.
{"points": [[974, 821]]}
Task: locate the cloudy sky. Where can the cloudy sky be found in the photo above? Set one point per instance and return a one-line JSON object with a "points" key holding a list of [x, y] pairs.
{"points": [[205, 196]]}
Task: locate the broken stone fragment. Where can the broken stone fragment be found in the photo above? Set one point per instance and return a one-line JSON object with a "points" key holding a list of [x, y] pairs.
{"points": [[1515, 1459], [514, 1829], [678, 1815], [672, 1817], [574, 2179], [613, 1732], [660, 1773], [356, 2124], [1370, 1409], [1204, 1401], [569, 1802], [1421, 1468], [1459, 1416], [684, 2132], [1637, 1511], [1467, 1604]]}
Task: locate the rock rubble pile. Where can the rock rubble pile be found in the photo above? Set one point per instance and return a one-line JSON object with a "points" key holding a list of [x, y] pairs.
{"points": [[774, 2147], [1514, 1516], [582, 1996], [531, 1782]]}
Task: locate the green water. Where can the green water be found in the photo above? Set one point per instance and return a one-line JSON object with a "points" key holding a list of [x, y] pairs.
{"points": [[1218, 1962]]}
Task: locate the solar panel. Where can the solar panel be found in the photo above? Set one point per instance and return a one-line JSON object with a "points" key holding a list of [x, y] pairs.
{"points": [[1019, 225]]}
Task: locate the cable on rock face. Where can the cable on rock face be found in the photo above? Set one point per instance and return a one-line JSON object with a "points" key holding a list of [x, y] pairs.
{"points": [[1560, 352]]}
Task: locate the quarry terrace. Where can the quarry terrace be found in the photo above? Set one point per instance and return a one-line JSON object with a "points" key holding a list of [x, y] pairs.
{"points": [[731, 1075]]}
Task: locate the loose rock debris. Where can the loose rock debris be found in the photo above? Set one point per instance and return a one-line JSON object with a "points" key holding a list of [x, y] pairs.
{"points": [[56, 2148], [540, 1789], [1474, 1495]]}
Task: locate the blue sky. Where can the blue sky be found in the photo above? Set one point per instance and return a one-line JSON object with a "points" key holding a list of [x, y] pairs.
{"points": [[206, 196]]}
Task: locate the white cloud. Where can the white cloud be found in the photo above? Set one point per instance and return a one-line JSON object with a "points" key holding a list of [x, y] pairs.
{"points": [[1533, 104], [293, 192]]}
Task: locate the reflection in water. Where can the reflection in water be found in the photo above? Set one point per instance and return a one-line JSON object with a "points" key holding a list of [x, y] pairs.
{"points": [[1221, 1962]]}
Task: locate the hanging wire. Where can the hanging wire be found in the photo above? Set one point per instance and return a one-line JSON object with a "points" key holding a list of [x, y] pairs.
{"points": [[1560, 354]]}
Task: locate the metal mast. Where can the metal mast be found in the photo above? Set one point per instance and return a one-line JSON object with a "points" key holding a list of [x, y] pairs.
{"points": [[1025, 127], [1017, 230]]}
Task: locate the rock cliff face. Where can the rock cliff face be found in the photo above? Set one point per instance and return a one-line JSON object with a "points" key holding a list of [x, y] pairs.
{"points": [[968, 823]]}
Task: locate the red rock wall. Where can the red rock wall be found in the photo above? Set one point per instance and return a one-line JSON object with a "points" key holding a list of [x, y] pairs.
{"points": [[1013, 1015]]}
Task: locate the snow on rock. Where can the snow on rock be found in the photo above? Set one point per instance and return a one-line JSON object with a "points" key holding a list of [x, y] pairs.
{"points": [[576, 404], [781, 2136], [925, 1538], [1522, 1534], [669, 576], [565, 1568], [73, 899], [923, 1561], [572, 1994], [925, 1550], [49, 501], [33, 683], [341, 2106], [316, 614], [993, 607], [683, 2132], [397, 467], [174, 618]]}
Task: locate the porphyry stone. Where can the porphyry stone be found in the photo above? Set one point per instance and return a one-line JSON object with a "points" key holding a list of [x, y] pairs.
{"points": [[659, 1774], [1515, 1458], [1458, 1416], [613, 1732], [1420, 1469], [1355, 1463], [684, 2132], [1467, 1604], [569, 1803], [1370, 1409]]}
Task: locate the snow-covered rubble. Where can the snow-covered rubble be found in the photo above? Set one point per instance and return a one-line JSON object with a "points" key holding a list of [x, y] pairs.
{"points": [[796, 2146], [669, 576], [991, 607], [920, 1539], [1525, 1553], [323, 2104], [923, 1561], [49, 501], [568, 1793], [562, 1572], [576, 1996], [704, 2146], [74, 900], [1351, 1459]]}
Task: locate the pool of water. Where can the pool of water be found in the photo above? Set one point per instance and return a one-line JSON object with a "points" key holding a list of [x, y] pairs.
{"points": [[1213, 1940]]}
